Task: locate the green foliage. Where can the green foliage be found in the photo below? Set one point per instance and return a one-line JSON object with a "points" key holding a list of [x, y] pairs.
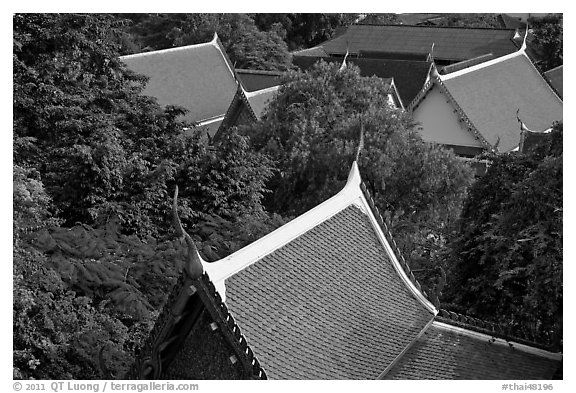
{"points": [[381, 19], [507, 257], [312, 131], [304, 30], [93, 154], [548, 38], [245, 44], [469, 20]]}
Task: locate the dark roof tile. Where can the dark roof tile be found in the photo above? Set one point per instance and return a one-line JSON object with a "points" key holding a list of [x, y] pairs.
{"points": [[196, 77], [450, 43], [409, 75], [443, 353], [324, 300]]}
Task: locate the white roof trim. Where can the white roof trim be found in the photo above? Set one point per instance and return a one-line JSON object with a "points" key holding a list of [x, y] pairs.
{"points": [[168, 50], [488, 63], [499, 341], [258, 92], [220, 270], [210, 120]]}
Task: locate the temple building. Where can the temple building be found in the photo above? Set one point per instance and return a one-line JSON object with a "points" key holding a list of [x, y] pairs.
{"points": [[199, 78], [475, 107], [325, 296]]}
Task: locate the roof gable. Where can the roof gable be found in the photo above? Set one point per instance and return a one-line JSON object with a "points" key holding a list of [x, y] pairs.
{"points": [[324, 296], [491, 93], [196, 77], [450, 43]]}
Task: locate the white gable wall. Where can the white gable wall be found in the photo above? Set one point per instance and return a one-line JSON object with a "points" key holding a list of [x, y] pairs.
{"points": [[439, 121]]}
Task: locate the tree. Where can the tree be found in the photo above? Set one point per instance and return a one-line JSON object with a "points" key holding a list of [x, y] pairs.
{"points": [[548, 33], [245, 44], [311, 129], [506, 262], [469, 20], [304, 30]]}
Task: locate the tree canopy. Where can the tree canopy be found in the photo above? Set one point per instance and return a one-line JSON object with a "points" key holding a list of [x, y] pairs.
{"points": [[312, 131], [506, 261], [95, 164], [246, 44]]}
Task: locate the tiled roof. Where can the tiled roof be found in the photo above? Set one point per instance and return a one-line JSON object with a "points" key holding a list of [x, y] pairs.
{"points": [[253, 80], [491, 93], [196, 77], [259, 99], [556, 78], [409, 75], [448, 352], [316, 51], [324, 296], [328, 305], [450, 43]]}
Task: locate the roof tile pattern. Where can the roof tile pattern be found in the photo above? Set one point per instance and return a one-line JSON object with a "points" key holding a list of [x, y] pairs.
{"points": [[253, 80], [327, 305], [444, 354], [490, 96], [450, 43], [195, 77]]}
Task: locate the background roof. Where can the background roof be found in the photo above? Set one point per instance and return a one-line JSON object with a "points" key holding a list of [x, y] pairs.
{"points": [[253, 80], [449, 42], [491, 94], [409, 75], [327, 305], [196, 77]]}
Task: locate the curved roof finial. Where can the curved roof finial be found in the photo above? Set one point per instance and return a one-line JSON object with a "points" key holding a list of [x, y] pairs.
{"points": [[523, 47], [361, 141], [193, 265]]}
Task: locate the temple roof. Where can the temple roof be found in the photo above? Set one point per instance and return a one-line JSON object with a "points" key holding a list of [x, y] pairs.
{"points": [[259, 99], [450, 43], [445, 351], [409, 75], [324, 296], [556, 78], [488, 95], [198, 77], [254, 80]]}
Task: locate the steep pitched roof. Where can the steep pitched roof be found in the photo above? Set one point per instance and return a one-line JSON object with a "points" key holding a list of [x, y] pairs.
{"points": [[246, 106], [254, 80], [198, 77], [488, 95], [324, 296], [450, 43], [446, 351], [409, 75]]}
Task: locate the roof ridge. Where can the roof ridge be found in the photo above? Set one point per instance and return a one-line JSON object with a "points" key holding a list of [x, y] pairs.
{"points": [[390, 240], [166, 50], [485, 327], [433, 27]]}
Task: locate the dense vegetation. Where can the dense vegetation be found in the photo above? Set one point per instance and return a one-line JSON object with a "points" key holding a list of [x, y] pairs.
{"points": [[506, 259], [95, 163]]}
